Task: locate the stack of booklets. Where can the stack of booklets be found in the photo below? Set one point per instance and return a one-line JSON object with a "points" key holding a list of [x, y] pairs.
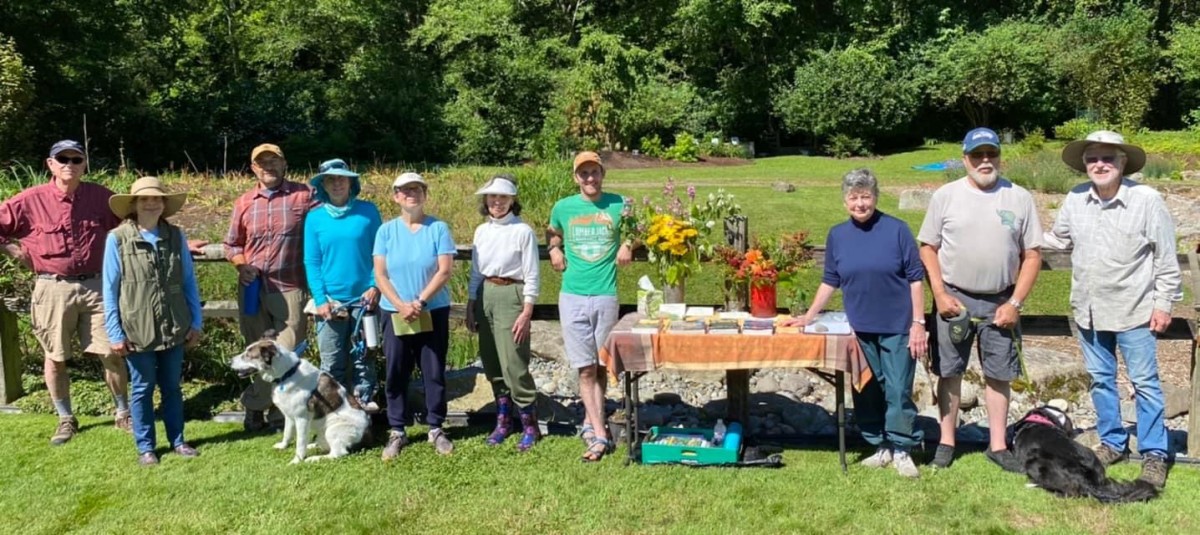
{"points": [[686, 326], [647, 326], [720, 326], [758, 326], [780, 329]]}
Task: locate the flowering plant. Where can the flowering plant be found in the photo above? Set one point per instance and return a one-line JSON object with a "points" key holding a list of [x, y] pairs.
{"points": [[771, 261], [677, 234]]}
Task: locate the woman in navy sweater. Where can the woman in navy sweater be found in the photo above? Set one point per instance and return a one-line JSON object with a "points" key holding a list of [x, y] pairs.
{"points": [[873, 259]]}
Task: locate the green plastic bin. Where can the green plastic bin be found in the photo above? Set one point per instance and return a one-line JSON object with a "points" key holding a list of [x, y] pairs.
{"points": [[670, 453]]}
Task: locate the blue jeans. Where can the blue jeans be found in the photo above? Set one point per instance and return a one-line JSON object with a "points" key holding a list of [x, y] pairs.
{"points": [[147, 369], [1139, 348], [333, 341]]}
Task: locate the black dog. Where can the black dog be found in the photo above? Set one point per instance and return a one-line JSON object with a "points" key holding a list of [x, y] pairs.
{"points": [[1055, 462]]}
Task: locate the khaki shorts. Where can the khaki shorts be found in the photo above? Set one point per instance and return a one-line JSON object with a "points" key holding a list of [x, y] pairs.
{"points": [[62, 309]]}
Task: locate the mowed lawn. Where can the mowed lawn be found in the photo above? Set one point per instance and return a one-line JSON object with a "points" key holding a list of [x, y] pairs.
{"points": [[241, 485]]}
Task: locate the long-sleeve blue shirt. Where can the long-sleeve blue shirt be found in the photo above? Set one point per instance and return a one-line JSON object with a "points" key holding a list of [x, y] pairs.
{"points": [[337, 252], [112, 285], [874, 264]]}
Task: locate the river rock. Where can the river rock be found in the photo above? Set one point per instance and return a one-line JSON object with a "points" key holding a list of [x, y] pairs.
{"points": [[545, 341]]}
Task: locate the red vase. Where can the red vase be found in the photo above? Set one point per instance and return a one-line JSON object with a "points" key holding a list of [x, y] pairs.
{"points": [[762, 300]]}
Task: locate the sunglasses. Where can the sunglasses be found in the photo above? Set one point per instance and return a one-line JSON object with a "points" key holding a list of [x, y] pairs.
{"points": [[989, 154], [1110, 159], [69, 159]]}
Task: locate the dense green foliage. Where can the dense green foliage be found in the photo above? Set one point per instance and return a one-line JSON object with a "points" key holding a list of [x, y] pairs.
{"points": [[196, 83]]}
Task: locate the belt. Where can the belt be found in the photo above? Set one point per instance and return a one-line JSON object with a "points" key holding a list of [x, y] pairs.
{"points": [[503, 281], [71, 278]]}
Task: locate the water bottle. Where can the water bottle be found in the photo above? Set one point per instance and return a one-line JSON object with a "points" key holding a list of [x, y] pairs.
{"points": [[250, 297], [718, 433], [733, 437], [370, 326]]}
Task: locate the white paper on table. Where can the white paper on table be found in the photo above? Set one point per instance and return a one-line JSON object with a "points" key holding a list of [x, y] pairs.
{"points": [[829, 323]]}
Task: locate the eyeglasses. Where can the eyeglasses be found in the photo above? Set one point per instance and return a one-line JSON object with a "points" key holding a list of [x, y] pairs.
{"points": [[409, 190], [1110, 159], [989, 154], [76, 160]]}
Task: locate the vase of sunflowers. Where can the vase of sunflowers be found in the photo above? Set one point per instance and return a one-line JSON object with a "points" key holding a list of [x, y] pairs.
{"points": [[677, 234]]}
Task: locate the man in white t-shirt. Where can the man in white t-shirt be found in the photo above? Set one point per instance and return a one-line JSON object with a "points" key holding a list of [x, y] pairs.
{"points": [[980, 245]]}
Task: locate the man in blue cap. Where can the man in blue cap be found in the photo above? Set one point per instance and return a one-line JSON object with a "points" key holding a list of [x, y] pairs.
{"points": [[980, 243]]}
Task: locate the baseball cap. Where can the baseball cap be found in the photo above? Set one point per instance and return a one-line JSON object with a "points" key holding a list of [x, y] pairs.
{"points": [[65, 145], [979, 137], [585, 157], [408, 178], [266, 147]]}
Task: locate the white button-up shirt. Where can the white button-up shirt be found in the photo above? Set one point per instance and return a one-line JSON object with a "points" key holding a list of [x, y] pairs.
{"points": [[507, 248], [1123, 261]]}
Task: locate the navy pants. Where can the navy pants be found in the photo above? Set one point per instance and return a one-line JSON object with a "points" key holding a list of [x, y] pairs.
{"points": [[426, 351]]}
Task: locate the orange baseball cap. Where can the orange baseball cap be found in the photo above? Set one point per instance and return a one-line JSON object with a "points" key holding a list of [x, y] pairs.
{"points": [[585, 157]]}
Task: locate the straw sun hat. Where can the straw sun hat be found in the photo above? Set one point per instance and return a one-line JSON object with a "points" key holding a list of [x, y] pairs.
{"points": [[148, 186]]}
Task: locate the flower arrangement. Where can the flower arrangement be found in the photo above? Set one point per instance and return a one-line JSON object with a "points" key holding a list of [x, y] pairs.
{"points": [[771, 262], [677, 234]]}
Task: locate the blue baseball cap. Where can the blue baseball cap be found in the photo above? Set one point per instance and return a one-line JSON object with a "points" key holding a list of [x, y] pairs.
{"points": [[65, 145], [980, 137]]}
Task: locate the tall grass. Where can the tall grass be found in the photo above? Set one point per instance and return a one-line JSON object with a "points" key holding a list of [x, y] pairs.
{"points": [[1042, 171]]}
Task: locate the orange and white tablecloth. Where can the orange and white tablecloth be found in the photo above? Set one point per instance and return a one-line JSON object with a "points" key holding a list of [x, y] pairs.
{"points": [[626, 351]]}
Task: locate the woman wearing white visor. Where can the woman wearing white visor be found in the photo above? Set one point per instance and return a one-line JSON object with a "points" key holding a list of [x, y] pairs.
{"points": [[503, 289]]}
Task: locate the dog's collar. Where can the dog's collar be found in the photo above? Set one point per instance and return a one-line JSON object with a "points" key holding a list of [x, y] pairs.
{"points": [[291, 371], [1037, 418]]}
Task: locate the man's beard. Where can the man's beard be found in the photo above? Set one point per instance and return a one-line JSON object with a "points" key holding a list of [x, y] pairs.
{"points": [[984, 180]]}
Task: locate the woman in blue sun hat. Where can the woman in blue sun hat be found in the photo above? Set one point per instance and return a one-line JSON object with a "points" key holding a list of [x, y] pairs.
{"points": [[339, 235]]}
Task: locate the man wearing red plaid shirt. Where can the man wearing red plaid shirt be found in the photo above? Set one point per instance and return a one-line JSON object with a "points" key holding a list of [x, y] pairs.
{"points": [[265, 244]]}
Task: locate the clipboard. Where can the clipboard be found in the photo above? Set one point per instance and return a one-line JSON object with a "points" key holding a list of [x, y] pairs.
{"points": [[423, 324]]}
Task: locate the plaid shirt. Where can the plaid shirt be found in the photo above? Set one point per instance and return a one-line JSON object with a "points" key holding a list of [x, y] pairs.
{"points": [[1123, 257], [267, 232], [63, 234]]}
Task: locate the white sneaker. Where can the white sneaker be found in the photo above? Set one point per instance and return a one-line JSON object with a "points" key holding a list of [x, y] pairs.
{"points": [[882, 458], [904, 465]]}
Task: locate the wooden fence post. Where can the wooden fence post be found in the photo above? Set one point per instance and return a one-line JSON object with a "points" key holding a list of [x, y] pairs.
{"points": [[10, 357], [737, 382]]}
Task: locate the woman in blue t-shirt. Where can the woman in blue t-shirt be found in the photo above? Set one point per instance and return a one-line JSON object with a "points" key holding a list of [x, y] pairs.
{"points": [[414, 254], [874, 260]]}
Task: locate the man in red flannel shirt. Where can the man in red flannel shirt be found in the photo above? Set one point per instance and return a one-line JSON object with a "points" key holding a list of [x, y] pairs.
{"points": [[265, 244]]}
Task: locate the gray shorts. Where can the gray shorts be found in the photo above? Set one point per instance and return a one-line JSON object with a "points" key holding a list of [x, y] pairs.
{"points": [[997, 347], [586, 321]]}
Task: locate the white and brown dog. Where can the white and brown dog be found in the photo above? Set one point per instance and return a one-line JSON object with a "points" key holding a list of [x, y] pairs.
{"points": [[311, 401]]}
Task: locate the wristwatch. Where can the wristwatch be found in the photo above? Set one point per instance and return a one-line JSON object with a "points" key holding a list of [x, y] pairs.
{"points": [[423, 303], [1015, 304], [919, 321]]}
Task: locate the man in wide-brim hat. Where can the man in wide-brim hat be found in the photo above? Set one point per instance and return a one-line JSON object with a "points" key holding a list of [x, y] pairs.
{"points": [[1124, 280]]}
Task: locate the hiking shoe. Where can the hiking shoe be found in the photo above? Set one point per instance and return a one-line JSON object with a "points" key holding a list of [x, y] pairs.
{"points": [[943, 457], [1108, 455], [1006, 460], [148, 459], [123, 421], [881, 458], [186, 451], [440, 441], [1154, 471], [904, 464], [397, 440], [66, 430], [254, 421]]}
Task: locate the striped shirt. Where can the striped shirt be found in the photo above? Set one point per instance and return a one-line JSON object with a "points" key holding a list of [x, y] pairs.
{"points": [[1123, 258], [267, 229]]}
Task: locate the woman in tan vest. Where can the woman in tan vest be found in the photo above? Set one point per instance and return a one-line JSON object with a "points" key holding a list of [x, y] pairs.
{"points": [[151, 308]]}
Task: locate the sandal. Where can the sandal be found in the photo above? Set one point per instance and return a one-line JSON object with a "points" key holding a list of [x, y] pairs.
{"points": [[597, 449], [587, 433]]}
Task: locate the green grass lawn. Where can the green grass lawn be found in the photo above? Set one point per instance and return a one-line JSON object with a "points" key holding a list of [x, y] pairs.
{"points": [[240, 484]]}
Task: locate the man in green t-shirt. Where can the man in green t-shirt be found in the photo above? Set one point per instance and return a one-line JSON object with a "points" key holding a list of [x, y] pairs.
{"points": [[585, 244]]}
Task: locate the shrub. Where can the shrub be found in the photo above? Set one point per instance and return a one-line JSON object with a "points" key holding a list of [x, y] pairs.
{"points": [[1033, 142], [685, 148], [652, 146], [1159, 167], [1041, 171], [1078, 128], [1110, 65], [844, 146]]}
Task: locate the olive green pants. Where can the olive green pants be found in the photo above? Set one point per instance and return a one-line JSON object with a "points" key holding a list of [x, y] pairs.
{"points": [[506, 363]]}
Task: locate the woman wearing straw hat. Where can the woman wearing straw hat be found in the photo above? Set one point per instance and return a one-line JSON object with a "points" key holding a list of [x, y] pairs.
{"points": [[151, 308], [338, 238], [414, 255], [503, 289]]}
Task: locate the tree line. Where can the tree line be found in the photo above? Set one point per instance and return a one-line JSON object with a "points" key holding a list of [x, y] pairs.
{"points": [[196, 83]]}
